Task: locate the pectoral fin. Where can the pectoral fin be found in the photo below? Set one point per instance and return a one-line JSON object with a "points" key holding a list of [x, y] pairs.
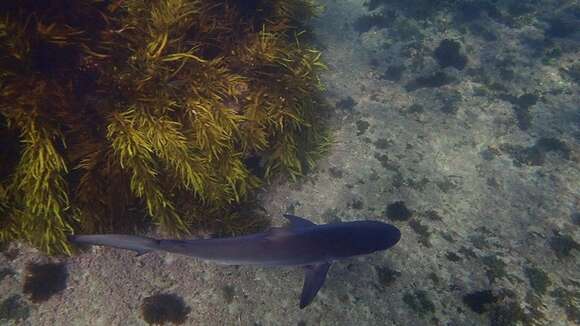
{"points": [[313, 281]]}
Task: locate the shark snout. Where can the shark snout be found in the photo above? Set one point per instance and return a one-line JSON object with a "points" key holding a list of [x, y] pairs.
{"points": [[392, 235]]}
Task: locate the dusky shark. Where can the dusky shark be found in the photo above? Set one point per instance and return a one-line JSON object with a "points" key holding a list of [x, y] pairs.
{"points": [[303, 243]]}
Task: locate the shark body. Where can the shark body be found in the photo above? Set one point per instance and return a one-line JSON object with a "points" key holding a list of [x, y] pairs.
{"points": [[304, 243]]}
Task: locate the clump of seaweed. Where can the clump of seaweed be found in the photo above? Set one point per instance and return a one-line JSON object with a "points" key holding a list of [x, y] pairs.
{"points": [[111, 110], [42, 281], [568, 300], [539, 280], [14, 308], [398, 211], [164, 308], [448, 54], [419, 302], [479, 301], [435, 80], [387, 276], [563, 245]]}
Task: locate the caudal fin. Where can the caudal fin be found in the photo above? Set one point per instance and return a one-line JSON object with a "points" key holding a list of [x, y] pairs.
{"points": [[141, 245]]}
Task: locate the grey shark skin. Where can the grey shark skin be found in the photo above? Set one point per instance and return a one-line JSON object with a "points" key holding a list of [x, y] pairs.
{"points": [[304, 243]]}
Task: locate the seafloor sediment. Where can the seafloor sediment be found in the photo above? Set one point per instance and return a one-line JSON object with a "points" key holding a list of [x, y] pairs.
{"points": [[458, 122]]}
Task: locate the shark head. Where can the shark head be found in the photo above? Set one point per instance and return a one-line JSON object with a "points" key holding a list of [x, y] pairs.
{"points": [[371, 236], [349, 239], [343, 240]]}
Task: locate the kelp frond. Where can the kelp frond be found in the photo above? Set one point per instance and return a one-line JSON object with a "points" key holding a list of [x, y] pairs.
{"points": [[135, 153], [39, 179]]}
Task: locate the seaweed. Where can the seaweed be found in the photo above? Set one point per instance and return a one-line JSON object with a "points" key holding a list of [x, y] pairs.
{"points": [[159, 309], [42, 281], [507, 314], [573, 71], [361, 126], [536, 154], [356, 203], [451, 256], [539, 280], [387, 276], [175, 110], [14, 308], [380, 20], [393, 73], [383, 143], [448, 54], [419, 302], [480, 301], [347, 104], [523, 117], [398, 211], [422, 231], [568, 300], [436, 80], [228, 293], [563, 245], [496, 268], [6, 272]]}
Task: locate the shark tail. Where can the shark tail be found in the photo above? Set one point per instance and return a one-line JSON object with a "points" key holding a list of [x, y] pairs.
{"points": [[141, 245]]}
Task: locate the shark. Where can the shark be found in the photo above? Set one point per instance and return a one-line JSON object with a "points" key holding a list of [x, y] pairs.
{"points": [[302, 243]]}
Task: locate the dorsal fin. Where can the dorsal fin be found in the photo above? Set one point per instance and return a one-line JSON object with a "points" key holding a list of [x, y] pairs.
{"points": [[298, 222]]}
